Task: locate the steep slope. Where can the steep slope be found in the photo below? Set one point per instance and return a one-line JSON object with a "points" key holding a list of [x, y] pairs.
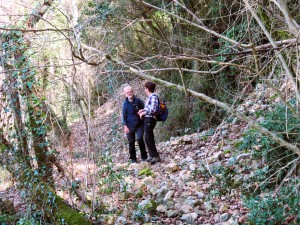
{"points": [[182, 189], [187, 187]]}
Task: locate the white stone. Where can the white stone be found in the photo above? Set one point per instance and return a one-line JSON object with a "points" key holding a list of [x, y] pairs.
{"points": [[162, 208], [171, 167], [189, 218], [192, 167], [168, 196], [185, 209], [148, 181]]}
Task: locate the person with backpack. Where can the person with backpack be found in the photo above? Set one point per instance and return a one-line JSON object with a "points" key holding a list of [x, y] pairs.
{"points": [[149, 115], [133, 125]]}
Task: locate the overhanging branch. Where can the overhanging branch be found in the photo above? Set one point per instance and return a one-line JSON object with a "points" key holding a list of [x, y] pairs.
{"points": [[210, 100]]}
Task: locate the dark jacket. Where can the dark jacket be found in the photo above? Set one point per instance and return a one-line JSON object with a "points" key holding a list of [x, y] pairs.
{"points": [[130, 118]]}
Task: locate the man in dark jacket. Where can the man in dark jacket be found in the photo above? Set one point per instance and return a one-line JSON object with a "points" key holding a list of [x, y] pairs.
{"points": [[133, 124]]}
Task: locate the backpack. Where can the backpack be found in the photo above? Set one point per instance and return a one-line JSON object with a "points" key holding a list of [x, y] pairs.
{"points": [[162, 112]]}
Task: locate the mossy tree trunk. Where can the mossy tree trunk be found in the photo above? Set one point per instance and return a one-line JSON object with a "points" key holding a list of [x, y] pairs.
{"points": [[26, 105]]}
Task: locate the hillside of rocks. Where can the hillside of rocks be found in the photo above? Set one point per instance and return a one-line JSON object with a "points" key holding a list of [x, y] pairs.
{"points": [[183, 189], [187, 187]]}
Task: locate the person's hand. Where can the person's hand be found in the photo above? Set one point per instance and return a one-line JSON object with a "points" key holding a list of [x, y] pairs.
{"points": [[126, 129], [142, 113]]}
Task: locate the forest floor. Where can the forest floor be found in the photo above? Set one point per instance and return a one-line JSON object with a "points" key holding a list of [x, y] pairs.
{"points": [[182, 189]]}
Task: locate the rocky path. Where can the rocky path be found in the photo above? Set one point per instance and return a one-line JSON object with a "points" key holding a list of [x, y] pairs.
{"points": [[187, 187], [183, 188]]}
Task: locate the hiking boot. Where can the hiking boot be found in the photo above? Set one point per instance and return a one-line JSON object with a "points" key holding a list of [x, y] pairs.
{"points": [[155, 160], [149, 159], [133, 161]]}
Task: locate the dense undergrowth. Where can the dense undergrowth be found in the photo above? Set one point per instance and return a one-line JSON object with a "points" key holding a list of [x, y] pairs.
{"points": [[271, 192]]}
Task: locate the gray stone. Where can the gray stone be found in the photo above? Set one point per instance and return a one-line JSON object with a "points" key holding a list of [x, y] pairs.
{"points": [[231, 161], [120, 220], [172, 213], [219, 155], [144, 203], [148, 181], [207, 206], [185, 175], [215, 167], [224, 132], [246, 177], [237, 169], [201, 154], [174, 177], [189, 159], [192, 167], [241, 108], [168, 196], [185, 209], [249, 103], [172, 139], [242, 156], [231, 221], [189, 218], [153, 190], [200, 195], [224, 217], [255, 165], [217, 217], [234, 121], [227, 148], [162, 208], [199, 212], [160, 194], [225, 126], [245, 162], [190, 201]]}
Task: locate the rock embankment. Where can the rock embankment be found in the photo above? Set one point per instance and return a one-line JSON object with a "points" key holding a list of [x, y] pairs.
{"points": [[187, 187]]}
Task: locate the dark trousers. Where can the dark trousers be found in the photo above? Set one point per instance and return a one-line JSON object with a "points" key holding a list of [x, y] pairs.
{"points": [[149, 124], [131, 140]]}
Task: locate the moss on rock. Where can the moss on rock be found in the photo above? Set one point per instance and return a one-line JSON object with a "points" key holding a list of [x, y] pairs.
{"points": [[68, 214]]}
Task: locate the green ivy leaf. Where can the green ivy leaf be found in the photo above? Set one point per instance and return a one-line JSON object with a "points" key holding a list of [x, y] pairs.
{"points": [[29, 84]]}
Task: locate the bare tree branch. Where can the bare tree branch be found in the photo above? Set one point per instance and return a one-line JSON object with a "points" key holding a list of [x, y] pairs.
{"points": [[202, 27], [171, 49], [210, 100], [34, 30], [33, 19], [280, 56], [187, 70], [292, 24], [287, 104]]}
